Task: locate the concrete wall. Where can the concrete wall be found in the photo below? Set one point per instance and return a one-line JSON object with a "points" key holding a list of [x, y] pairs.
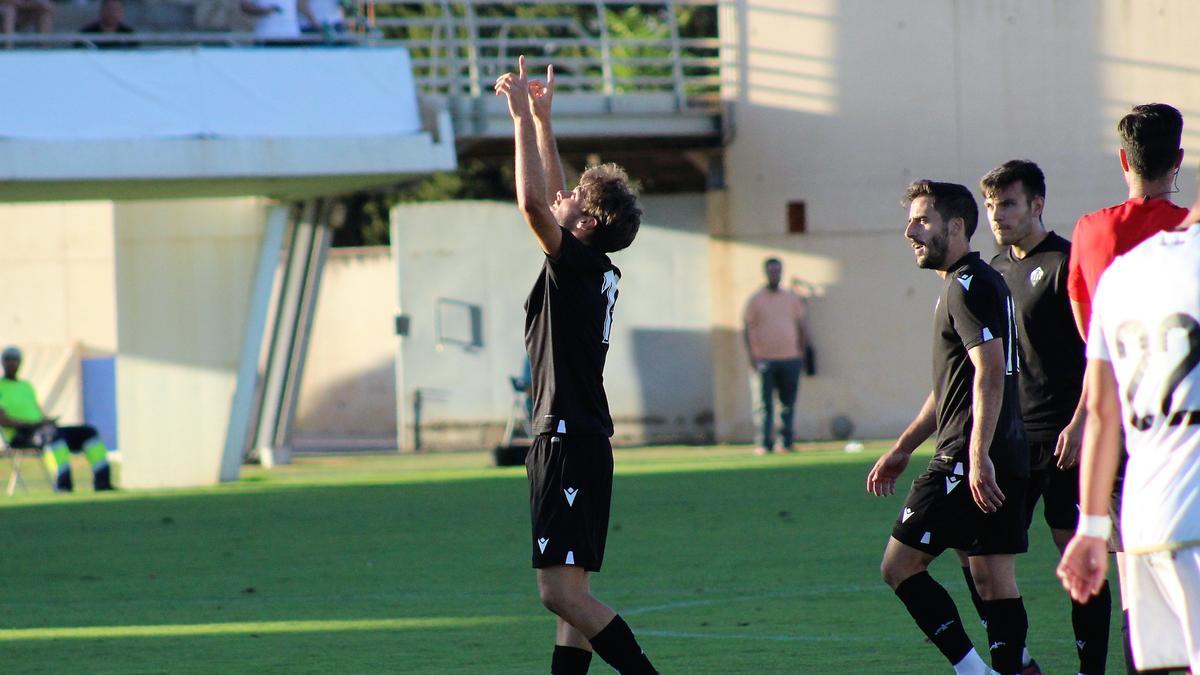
{"points": [[659, 370], [842, 104], [348, 392], [184, 270], [56, 265]]}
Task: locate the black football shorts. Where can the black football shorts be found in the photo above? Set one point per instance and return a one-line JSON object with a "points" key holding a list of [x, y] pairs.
{"points": [[570, 492], [1059, 488], [939, 513]]}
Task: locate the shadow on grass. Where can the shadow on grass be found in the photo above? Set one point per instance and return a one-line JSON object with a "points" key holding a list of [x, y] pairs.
{"points": [[434, 577]]}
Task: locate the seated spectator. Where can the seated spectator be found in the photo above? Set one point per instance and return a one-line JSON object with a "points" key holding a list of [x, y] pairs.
{"points": [[111, 22], [31, 428], [274, 19], [14, 13], [322, 17]]}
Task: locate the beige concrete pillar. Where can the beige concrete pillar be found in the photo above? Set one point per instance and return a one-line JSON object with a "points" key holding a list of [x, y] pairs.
{"points": [[185, 270]]}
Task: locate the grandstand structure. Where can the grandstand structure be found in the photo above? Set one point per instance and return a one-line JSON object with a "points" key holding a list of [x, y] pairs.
{"points": [[201, 141], [759, 127]]}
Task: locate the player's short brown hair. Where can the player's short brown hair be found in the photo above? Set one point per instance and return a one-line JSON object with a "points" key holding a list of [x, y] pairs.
{"points": [[606, 194], [1023, 171], [950, 200]]}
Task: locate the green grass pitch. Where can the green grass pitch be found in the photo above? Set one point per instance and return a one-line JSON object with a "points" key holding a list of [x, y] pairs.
{"points": [[721, 561]]}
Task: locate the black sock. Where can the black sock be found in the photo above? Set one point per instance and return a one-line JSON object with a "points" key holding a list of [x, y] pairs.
{"points": [[1007, 626], [935, 613], [1090, 621], [569, 660], [974, 595], [616, 645]]}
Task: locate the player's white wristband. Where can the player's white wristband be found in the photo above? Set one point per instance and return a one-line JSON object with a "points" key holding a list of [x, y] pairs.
{"points": [[1094, 526]]}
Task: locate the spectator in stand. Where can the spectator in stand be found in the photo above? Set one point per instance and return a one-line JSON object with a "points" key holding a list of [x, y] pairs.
{"points": [[110, 22], [323, 17], [278, 21], [13, 13]]}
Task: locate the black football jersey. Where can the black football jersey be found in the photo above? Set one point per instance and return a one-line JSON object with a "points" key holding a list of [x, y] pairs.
{"points": [[975, 307], [568, 321], [1052, 353]]}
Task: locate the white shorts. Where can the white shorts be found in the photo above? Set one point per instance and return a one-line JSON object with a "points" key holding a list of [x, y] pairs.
{"points": [[1163, 590]]}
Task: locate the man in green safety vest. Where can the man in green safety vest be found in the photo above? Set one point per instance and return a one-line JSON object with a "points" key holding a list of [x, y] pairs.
{"points": [[31, 428]]}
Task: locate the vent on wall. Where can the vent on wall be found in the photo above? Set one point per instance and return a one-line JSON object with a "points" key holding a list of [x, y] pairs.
{"points": [[796, 221]]}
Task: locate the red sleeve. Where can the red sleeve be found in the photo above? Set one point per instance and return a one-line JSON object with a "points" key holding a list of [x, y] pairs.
{"points": [[1076, 286]]}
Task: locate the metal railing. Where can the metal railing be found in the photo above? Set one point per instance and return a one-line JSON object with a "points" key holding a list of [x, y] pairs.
{"points": [[459, 47]]}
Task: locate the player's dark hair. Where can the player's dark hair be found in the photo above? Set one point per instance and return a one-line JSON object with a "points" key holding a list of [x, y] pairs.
{"points": [[1033, 181], [607, 195], [1151, 135], [772, 261], [950, 200]]}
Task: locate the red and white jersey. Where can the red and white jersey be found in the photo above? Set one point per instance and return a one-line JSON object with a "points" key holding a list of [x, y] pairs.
{"points": [[1146, 322]]}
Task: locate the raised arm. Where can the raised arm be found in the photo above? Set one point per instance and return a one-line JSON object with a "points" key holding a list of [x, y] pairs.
{"points": [[530, 176], [541, 95], [987, 396]]}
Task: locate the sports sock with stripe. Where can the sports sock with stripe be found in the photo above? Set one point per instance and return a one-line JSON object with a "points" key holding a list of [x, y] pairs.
{"points": [[1090, 621], [936, 614], [1007, 626]]}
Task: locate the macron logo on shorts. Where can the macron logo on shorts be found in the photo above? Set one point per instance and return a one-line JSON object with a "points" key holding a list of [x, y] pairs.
{"points": [[542, 544], [951, 483], [965, 280], [907, 514], [570, 493]]}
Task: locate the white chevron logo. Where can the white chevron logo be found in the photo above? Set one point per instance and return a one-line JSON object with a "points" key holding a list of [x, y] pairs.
{"points": [[907, 514], [951, 483], [965, 280], [542, 544], [570, 493]]}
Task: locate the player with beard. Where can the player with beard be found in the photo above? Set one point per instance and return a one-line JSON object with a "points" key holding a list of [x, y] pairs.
{"points": [[974, 411]]}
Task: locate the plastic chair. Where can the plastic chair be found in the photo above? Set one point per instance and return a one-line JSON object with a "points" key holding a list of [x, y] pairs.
{"points": [[518, 415], [16, 455]]}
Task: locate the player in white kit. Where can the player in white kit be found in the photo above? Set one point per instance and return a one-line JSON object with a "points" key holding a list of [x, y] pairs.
{"points": [[1144, 373]]}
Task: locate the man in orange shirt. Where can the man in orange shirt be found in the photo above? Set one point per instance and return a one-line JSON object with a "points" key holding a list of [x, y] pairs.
{"points": [[776, 336]]}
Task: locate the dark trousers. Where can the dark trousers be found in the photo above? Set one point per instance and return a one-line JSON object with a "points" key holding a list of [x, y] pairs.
{"points": [[780, 378]]}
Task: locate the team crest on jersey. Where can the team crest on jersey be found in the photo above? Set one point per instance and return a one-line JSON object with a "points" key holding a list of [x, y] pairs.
{"points": [[1036, 276]]}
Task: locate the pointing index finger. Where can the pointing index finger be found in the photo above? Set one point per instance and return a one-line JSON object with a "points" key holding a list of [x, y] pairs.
{"points": [[521, 66]]}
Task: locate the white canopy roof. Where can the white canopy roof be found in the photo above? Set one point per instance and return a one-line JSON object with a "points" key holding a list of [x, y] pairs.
{"points": [[210, 119]]}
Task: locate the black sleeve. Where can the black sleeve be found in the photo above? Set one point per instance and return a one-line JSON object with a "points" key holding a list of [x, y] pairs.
{"points": [[976, 313]]}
